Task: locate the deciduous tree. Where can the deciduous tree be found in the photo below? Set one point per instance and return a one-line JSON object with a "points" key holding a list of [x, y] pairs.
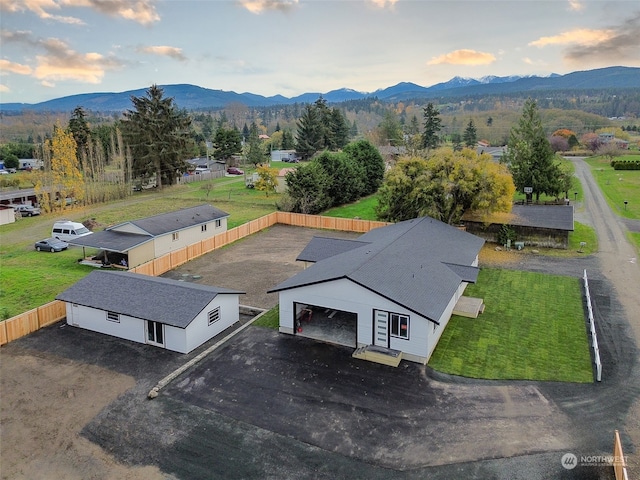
{"points": [[267, 179], [444, 187]]}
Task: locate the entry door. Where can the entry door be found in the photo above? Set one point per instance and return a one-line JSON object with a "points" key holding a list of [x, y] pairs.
{"points": [[75, 315], [155, 333], [381, 329]]}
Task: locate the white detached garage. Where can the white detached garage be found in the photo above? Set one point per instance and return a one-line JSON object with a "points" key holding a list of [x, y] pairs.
{"points": [[175, 315]]}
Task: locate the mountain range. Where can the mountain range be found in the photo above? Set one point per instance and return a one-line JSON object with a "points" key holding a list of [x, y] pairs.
{"points": [[192, 97]]}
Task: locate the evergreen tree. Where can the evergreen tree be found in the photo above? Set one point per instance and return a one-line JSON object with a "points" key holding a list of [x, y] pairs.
{"points": [[245, 133], [158, 134], [372, 163], [81, 132], [353, 131], [309, 138], [338, 130], [255, 154], [530, 156], [470, 135], [414, 126], [288, 142], [432, 125], [226, 142]]}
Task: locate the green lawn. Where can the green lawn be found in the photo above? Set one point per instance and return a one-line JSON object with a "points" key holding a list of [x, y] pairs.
{"points": [[618, 186], [533, 328], [365, 208], [270, 319]]}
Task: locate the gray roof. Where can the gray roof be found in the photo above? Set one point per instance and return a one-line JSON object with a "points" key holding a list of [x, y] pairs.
{"points": [[120, 242], [418, 264], [149, 298], [174, 221], [555, 217], [320, 248]]}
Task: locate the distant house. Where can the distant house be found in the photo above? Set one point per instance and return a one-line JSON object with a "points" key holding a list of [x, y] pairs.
{"points": [[281, 186], [166, 313], [607, 138], [534, 225], [391, 290], [283, 155], [139, 241]]}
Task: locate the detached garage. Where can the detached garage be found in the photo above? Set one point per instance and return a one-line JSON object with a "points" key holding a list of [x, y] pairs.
{"points": [[165, 313]]}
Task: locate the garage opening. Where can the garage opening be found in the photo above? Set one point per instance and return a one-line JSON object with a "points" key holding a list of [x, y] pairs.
{"points": [[326, 324]]}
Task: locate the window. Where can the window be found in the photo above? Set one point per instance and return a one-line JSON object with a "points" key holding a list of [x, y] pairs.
{"points": [[218, 223], [113, 317], [174, 236], [203, 228], [214, 315], [399, 326]]}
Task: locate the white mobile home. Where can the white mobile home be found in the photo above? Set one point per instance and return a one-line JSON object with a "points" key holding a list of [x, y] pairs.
{"points": [[393, 289], [166, 313]]}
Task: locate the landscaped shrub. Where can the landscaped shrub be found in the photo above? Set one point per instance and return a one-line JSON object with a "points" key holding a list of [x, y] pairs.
{"points": [[625, 164], [506, 233]]}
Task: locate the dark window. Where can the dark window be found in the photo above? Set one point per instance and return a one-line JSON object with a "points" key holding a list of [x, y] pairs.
{"points": [[399, 326], [218, 223], [203, 227], [174, 236]]}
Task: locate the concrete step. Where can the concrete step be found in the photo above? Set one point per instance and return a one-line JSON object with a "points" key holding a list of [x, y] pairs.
{"points": [[384, 356]]}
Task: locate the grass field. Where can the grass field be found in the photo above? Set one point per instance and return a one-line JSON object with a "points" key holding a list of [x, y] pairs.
{"points": [[618, 186], [533, 328]]}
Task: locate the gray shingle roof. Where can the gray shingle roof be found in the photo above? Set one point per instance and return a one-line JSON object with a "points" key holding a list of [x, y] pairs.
{"points": [[418, 264], [149, 298], [320, 248], [113, 241], [556, 217], [178, 220]]}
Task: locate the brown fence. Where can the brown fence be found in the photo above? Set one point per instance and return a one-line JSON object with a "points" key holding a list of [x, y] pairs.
{"points": [[619, 463], [30, 321]]}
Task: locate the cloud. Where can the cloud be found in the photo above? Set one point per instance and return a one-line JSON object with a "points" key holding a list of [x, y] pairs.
{"points": [[172, 52], [259, 6], [463, 57], [4, 89], [140, 11], [10, 67], [384, 3], [60, 62], [40, 8], [575, 5], [583, 36], [616, 44]]}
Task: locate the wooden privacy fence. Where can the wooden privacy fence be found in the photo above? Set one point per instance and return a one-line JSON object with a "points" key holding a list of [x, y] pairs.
{"points": [[619, 463], [30, 321], [592, 329]]}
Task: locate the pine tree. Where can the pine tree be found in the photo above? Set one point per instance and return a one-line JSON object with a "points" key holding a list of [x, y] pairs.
{"points": [[81, 132], [530, 156], [470, 135], [432, 125], [158, 134]]}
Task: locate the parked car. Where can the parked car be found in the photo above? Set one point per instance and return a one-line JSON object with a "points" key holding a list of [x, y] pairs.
{"points": [[234, 171], [51, 245], [27, 210]]}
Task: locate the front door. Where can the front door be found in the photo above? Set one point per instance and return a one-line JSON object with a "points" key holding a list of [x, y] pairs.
{"points": [[381, 329], [155, 333]]}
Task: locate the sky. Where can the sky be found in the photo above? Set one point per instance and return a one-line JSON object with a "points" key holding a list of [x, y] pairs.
{"points": [[55, 48]]}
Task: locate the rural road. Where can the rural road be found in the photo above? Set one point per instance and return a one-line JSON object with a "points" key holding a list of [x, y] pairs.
{"points": [[619, 265]]}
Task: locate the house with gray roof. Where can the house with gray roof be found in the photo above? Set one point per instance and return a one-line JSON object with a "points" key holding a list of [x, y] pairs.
{"points": [[532, 225], [139, 241], [171, 314], [393, 289]]}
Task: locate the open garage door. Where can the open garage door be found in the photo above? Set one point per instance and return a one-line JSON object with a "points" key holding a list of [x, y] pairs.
{"points": [[326, 324]]}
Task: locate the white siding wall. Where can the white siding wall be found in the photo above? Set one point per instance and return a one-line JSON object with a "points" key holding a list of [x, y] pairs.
{"points": [[176, 339], [199, 331], [96, 320], [345, 295], [165, 243]]}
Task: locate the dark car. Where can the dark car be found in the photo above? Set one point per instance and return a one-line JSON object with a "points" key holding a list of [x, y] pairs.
{"points": [[51, 245], [234, 171]]}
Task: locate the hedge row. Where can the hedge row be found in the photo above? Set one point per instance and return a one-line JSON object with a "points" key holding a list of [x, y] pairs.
{"points": [[625, 164]]}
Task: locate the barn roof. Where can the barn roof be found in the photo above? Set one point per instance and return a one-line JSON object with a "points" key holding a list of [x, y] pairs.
{"points": [[149, 298], [554, 217], [418, 264]]}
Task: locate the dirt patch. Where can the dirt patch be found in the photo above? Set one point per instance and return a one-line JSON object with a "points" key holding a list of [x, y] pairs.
{"points": [[46, 401]]}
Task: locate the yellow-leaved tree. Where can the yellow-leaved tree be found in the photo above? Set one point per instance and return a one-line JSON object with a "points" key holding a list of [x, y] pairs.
{"points": [[444, 186], [267, 179], [62, 180]]}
